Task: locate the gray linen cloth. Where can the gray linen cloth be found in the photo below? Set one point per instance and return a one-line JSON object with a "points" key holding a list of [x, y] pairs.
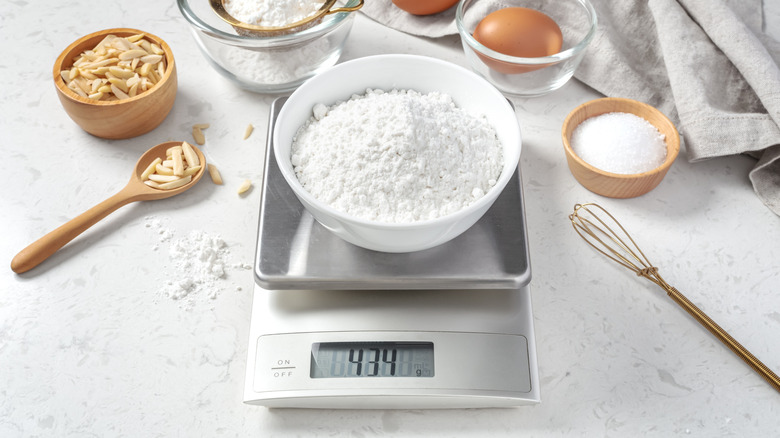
{"points": [[705, 63]]}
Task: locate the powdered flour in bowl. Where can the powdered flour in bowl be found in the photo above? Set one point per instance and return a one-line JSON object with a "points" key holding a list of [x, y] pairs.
{"points": [[418, 81]]}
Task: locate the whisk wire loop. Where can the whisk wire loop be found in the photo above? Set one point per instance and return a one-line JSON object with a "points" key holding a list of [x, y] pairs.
{"points": [[614, 244], [630, 256]]}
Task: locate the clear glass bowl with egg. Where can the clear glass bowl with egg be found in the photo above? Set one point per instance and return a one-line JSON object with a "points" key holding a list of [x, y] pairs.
{"points": [[273, 64], [526, 76]]}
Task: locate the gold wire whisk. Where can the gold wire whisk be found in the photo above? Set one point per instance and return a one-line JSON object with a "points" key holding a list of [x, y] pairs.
{"points": [[609, 237]]}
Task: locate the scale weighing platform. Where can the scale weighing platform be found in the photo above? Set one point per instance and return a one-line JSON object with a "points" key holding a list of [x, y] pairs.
{"points": [[338, 326]]}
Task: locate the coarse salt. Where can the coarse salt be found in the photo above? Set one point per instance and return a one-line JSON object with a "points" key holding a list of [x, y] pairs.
{"points": [[620, 143], [397, 157]]}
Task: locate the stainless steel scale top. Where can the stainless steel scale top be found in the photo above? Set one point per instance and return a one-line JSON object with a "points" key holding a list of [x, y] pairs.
{"points": [[295, 252]]}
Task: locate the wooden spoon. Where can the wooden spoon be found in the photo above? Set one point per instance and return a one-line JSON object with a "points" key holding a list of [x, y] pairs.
{"points": [[135, 190]]}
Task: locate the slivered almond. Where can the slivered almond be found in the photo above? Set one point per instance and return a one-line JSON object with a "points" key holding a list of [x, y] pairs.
{"points": [[191, 170], [120, 83], [151, 168], [145, 69], [163, 178], [119, 93], [244, 187], [118, 58], [132, 53], [152, 76], [121, 72], [151, 59], [248, 131], [146, 45], [216, 178], [87, 74], [178, 183], [135, 38], [82, 84], [197, 134], [159, 176], [189, 154], [118, 43], [169, 152], [178, 163], [101, 63], [162, 170]]}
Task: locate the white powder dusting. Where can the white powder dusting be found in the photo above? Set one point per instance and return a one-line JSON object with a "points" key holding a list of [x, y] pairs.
{"points": [[164, 233], [272, 13], [397, 156], [199, 261], [619, 143], [276, 66]]}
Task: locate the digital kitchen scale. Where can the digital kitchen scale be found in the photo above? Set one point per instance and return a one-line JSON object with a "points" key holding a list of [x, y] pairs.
{"points": [[338, 326]]}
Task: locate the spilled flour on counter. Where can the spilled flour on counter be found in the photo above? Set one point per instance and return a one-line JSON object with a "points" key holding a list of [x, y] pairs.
{"points": [[199, 263], [165, 233]]}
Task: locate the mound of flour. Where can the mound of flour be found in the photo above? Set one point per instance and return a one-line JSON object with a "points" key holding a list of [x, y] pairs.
{"points": [[199, 263], [397, 156], [272, 13]]}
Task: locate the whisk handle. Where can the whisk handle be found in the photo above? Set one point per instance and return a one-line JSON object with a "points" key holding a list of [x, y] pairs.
{"points": [[724, 337]]}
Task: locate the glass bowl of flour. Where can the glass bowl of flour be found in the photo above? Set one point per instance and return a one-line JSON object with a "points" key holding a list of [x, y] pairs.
{"points": [[397, 153], [275, 64]]}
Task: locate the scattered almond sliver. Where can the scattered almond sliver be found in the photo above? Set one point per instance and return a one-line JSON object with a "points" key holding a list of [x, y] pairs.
{"points": [[244, 187], [197, 133], [216, 178], [180, 165], [117, 68], [248, 131]]}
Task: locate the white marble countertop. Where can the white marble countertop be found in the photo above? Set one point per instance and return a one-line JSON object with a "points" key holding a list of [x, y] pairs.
{"points": [[89, 346]]}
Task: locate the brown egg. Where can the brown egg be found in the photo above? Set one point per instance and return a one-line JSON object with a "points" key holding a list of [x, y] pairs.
{"points": [[522, 32], [424, 7]]}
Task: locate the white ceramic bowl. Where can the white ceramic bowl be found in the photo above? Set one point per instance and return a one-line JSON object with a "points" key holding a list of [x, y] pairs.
{"points": [[403, 72]]}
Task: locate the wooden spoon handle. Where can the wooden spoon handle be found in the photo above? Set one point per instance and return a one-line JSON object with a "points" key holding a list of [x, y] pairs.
{"points": [[47, 245]]}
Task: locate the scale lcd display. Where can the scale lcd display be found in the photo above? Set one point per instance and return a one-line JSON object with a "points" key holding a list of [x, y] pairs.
{"points": [[371, 359]]}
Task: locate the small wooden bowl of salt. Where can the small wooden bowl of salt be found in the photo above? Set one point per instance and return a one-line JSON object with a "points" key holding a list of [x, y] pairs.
{"points": [[619, 148]]}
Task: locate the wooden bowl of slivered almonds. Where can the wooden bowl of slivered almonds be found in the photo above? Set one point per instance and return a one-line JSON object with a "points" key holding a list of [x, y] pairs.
{"points": [[117, 83]]}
